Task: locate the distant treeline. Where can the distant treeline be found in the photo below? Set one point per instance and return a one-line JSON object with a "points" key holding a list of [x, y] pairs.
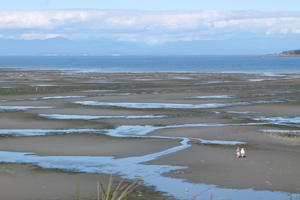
{"points": [[294, 52]]}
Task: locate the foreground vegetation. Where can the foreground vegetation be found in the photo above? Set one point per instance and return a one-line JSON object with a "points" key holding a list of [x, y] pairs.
{"points": [[123, 190]]}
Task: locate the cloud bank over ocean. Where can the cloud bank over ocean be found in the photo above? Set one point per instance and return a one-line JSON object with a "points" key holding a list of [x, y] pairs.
{"points": [[152, 27]]}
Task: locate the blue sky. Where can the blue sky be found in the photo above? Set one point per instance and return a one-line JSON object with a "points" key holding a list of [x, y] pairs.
{"points": [[27, 5], [152, 22]]}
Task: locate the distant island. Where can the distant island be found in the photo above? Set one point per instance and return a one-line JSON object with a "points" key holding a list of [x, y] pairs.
{"points": [[291, 53], [254, 56]]}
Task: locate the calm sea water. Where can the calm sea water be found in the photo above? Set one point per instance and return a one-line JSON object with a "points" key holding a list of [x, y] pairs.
{"points": [[156, 63]]}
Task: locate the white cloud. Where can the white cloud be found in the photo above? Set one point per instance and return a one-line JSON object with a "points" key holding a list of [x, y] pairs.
{"points": [[296, 31], [30, 36], [128, 37], [283, 31], [148, 26]]}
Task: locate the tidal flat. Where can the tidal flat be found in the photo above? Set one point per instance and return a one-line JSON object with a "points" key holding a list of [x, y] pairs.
{"points": [[178, 132]]}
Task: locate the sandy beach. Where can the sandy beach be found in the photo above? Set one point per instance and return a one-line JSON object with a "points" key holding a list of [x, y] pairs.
{"points": [[190, 124]]}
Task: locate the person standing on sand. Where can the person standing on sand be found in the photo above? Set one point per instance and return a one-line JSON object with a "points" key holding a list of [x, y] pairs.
{"points": [[238, 152], [243, 152]]}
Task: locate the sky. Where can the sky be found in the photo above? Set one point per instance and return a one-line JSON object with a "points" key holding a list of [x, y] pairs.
{"points": [[152, 22], [153, 5]]}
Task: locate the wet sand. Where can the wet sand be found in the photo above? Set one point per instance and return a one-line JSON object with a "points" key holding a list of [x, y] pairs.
{"points": [[238, 108]]}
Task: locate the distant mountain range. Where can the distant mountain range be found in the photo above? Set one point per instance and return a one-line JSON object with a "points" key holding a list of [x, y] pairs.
{"points": [[62, 46]]}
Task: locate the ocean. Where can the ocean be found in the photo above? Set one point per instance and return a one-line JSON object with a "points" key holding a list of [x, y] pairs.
{"points": [[147, 64]]}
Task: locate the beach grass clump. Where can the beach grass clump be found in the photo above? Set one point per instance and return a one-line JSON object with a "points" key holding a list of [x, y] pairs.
{"points": [[123, 190], [118, 193]]}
